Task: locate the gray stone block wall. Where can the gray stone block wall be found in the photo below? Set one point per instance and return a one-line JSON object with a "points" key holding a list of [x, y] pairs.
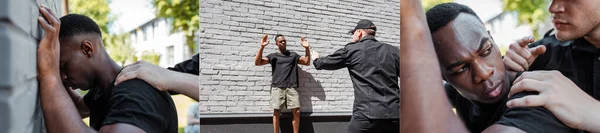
{"points": [[20, 110], [230, 33]]}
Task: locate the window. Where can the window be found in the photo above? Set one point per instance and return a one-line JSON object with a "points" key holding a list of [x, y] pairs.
{"points": [[170, 56]]}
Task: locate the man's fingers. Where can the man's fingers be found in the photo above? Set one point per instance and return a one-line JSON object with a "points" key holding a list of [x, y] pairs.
{"points": [[527, 101], [519, 59], [49, 17], [526, 84], [44, 23], [512, 65], [525, 41], [124, 77], [302, 39], [538, 50]]}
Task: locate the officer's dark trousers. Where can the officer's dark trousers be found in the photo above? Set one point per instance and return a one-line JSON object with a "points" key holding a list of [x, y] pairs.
{"points": [[361, 124]]}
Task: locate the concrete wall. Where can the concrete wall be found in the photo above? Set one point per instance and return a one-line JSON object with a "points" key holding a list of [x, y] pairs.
{"points": [[230, 37], [20, 110]]}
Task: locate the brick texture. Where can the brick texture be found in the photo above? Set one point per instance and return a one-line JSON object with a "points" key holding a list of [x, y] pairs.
{"points": [[230, 37]]}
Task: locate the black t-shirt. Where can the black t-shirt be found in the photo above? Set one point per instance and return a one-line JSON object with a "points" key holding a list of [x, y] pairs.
{"points": [[284, 68], [478, 116], [132, 102], [533, 119]]}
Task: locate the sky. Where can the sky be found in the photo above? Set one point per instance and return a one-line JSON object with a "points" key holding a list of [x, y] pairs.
{"points": [[130, 14], [485, 9], [133, 13]]}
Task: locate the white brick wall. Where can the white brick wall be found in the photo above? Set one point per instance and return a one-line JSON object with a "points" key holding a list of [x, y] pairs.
{"points": [[230, 37]]}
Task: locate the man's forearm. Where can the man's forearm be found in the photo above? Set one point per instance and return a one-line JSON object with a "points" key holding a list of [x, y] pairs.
{"points": [[421, 77], [258, 58], [79, 104], [307, 56], [60, 113], [187, 84]]}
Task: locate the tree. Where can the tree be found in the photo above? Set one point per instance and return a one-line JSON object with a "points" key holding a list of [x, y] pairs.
{"points": [[97, 10], [151, 57], [185, 17], [428, 4], [119, 48], [117, 45], [532, 12]]}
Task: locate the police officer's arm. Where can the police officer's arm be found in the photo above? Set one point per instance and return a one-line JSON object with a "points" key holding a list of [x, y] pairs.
{"points": [[259, 60], [334, 61], [421, 77], [305, 60]]}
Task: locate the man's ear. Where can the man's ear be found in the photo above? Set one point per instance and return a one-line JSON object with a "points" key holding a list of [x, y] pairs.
{"points": [[87, 48]]}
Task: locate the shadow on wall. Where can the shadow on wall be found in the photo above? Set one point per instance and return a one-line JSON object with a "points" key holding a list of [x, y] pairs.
{"points": [[308, 87]]}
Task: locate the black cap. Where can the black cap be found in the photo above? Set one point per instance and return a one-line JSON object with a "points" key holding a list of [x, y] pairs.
{"points": [[363, 24]]}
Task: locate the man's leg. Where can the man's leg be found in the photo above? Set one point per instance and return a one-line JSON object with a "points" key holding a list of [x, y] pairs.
{"points": [[293, 103], [276, 102], [276, 114], [296, 120]]}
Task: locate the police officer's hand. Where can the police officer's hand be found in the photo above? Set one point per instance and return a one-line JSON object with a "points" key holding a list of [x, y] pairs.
{"points": [[154, 75], [519, 56], [264, 42], [314, 55], [304, 43], [48, 52], [561, 96]]}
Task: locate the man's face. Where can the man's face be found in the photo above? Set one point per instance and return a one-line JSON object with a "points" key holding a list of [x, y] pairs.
{"points": [[281, 43], [76, 68], [470, 61], [574, 19], [356, 36]]}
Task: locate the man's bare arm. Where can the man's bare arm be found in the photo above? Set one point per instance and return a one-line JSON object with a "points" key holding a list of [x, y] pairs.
{"points": [[424, 106], [259, 60], [79, 103], [306, 59]]}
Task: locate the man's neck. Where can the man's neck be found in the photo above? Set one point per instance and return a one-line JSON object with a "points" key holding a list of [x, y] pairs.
{"points": [[282, 51], [109, 72], [593, 37]]}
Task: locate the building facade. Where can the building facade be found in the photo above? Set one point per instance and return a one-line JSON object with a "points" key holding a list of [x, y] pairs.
{"points": [[154, 36]]}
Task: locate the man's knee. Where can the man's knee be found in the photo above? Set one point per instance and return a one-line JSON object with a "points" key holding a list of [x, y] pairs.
{"points": [[276, 112]]}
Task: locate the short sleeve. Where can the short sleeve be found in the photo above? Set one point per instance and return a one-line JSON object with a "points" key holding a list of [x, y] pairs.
{"points": [[533, 119], [135, 102], [270, 57]]}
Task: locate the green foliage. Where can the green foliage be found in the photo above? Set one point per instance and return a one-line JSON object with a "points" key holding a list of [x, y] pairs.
{"points": [[151, 57], [185, 17], [119, 48], [428, 4], [532, 12], [117, 45], [98, 10]]}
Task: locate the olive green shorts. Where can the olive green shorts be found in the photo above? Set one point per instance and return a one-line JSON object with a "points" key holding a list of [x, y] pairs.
{"points": [[284, 98]]}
